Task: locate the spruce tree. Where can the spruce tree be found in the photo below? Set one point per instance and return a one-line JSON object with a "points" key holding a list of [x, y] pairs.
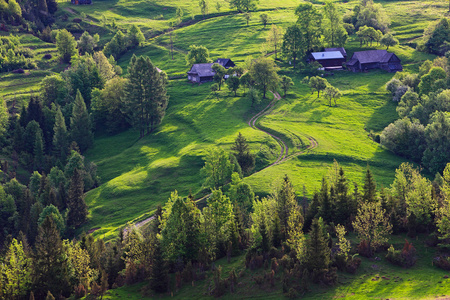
{"points": [[370, 187], [80, 124], [38, 152], [234, 238], [325, 208], [60, 142], [242, 152], [51, 268], [265, 243], [318, 252], [145, 95], [159, 280], [78, 209], [286, 202]]}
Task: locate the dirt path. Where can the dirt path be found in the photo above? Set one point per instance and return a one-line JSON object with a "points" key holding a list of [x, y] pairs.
{"points": [[282, 157]]}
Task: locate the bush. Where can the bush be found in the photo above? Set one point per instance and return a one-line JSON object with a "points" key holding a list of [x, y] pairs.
{"points": [[77, 20], [47, 56], [353, 264], [405, 258], [442, 261], [364, 249], [18, 71]]}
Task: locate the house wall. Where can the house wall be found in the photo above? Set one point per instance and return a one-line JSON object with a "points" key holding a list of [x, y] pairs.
{"points": [[331, 62]]}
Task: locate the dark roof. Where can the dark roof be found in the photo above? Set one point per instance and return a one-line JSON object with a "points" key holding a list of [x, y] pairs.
{"points": [[372, 56], [340, 49], [223, 61], [203, 70]]}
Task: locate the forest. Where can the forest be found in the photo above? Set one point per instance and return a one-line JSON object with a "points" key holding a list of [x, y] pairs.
{"points": [[121, 179]]}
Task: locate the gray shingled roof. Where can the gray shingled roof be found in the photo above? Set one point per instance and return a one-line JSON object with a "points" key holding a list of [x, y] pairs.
{"points": [[222, 61], [371, 56], [203, 70]]}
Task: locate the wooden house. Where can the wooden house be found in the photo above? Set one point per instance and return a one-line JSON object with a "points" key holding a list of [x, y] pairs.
{"points": [[374, 59], [340, 49], [203, 72], [81, 2], [330, 60]]}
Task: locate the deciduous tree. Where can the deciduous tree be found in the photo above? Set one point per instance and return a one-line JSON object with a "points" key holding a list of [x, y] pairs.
{"points": [[294, 44], [66, 45], [264, 73]]}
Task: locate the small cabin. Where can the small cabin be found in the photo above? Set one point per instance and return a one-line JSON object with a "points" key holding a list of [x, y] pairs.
{"points": [[200, 73], [363, 61], [330, 60]]}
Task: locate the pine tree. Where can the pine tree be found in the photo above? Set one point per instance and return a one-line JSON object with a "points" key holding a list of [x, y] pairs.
{"points": [[242, 152], [145, 95], [38, 152], [80, 124], [234, 238], [265, 243], [325, 208], [318, 252], [51, 269], [276, 234], [60, 142], [370, 187], [286, 203], [159, 280], [78, 209]]}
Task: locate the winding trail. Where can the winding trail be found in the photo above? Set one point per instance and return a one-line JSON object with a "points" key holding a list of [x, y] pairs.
{"points": [[282, 157]]}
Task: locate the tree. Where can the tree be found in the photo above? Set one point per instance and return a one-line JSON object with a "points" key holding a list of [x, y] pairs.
{"points": [[264, 19], [38, 151], [80, 124], [66, 45], [218, 167], [136, 36], [247, 17], [3, 116], [286, 83], [215, 89], [220, 73], [332, 93], [370, 187], [204, 6], [233, 84], [242, 152], [179, 14], [197, 55], [294, 46], [286, 204], [274, 38], [372, 225], [342, 243], [146, 99], [253, 96], [51, 268], [60, 142], [335, 33], [428, 81], [318, 83], [437, 134], [159, 279], [78, 210], [117, 46], [318, 252], [310, 24], [16, 271], [243, 5], [263, 71], [87, 43], [388, 40]]}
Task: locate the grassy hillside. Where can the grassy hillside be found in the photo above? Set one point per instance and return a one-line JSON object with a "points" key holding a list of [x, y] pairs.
{"points": [[139, 174]]}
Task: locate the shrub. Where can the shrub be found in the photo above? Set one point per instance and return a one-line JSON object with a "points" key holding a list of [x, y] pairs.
{"points": [[405, 258], [442, 261], [47, 56], [80, 291], [364, 249], [353, 264], [77, 20], [18, 71]]}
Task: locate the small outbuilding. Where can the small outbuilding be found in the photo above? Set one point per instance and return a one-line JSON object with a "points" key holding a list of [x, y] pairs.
{"points": [[203, 72], [374, 59], [330, 60], [81, 2]]}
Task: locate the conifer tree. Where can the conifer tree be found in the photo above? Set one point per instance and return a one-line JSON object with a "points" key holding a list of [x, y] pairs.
{"points": [[38, 152], [370, 187], [234, 238], [159, 280], [318, 252], [80, 124], [51, 269], [326, 207], [242, 152], [286, 203], [265, 243], [60, 142], [145, 95], [78, 209]]}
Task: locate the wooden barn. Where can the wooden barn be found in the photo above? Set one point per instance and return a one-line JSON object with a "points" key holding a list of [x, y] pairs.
{"points": [[340, 49], [374, 59], [330, 60], [203, 72]]}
